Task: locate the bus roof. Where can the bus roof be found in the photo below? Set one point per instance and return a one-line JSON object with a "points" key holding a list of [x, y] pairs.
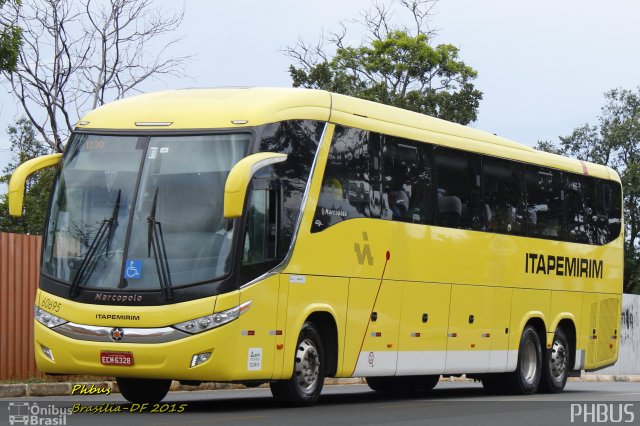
{"points": [[216, 108]]}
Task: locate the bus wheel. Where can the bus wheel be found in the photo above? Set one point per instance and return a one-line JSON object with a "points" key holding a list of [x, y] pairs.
{"points": [[526, 378], [555, 367], [304, 387], [143, 390]]}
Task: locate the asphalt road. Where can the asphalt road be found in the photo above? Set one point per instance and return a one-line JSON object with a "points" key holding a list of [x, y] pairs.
{"points": [[450, 404]]}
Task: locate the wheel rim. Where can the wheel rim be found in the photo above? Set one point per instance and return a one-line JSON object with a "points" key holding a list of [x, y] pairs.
{"points": [[558, 361], [307, 365], [529, 361]]}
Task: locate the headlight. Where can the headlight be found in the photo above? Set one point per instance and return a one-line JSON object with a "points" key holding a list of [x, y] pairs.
{"points": [[208, 322], [47, 318]]}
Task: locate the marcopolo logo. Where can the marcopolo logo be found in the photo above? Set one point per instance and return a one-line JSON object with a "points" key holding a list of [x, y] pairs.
{"points": [[30, 413], [603, 413]]}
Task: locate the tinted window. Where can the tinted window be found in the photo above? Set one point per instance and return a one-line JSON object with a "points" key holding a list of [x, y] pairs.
{"points": [[580, 195], [350, 187], [407, 181], [299, 140], [544, 202], [504, 196], [609, 207], [458, 189]]}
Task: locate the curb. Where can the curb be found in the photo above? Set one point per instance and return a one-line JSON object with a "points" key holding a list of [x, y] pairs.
{"points": [[107, 387], [610, 378]]}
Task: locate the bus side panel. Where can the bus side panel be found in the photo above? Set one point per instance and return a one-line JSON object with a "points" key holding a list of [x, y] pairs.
{"points": [[308, 294], [500, 349], [371, 347], [256, 329], [424, 320], [526, 304], [281, 324], [589, 329], [609, 328], [470, 319], [565, 305]]}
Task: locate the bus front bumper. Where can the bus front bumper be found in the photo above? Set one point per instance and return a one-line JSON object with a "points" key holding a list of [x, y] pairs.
{"points": [[60, 354]]}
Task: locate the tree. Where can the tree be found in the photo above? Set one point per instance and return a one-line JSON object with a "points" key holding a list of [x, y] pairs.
{"points": [[614, 141], [395, 65], [10, 40], [77, 55], [25, 146]]}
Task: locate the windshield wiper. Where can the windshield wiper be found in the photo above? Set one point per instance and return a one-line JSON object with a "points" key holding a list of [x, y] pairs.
{"points": [[107, 227], [155, 243]]}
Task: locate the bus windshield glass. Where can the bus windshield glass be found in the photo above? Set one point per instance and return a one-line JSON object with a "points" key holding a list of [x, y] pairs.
{"points": [[109, 188]]}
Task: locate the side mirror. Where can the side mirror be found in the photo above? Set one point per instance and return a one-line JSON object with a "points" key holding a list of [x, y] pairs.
{"points": [[235, 188], [20, 175]]}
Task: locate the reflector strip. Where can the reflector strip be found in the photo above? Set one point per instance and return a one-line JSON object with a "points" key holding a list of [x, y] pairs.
{"points": [[248, 332]]}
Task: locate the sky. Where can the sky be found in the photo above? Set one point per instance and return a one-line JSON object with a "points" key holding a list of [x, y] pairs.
{"points": [[543, 66]]}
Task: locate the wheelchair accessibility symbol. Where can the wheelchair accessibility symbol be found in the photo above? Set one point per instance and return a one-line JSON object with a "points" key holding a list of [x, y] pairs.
{"points": [[133, 271]]}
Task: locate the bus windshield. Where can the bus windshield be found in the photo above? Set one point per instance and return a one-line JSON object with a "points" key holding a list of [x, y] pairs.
{"points": [[116, 183]]}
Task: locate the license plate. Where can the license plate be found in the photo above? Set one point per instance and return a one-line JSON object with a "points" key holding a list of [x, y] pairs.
{"points": [[122, 359]]}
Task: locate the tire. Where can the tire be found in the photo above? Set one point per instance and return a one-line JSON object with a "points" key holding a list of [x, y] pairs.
{"points": [[526, 379], [143, 390], [403, 384], [556, 364], [305, 385]]}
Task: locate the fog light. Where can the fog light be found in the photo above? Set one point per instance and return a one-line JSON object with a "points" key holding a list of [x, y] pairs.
{"points": [[47, 352], [200, 358]]}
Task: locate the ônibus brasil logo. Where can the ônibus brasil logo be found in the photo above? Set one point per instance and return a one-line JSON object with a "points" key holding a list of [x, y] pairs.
{"points": [[30, 413]]}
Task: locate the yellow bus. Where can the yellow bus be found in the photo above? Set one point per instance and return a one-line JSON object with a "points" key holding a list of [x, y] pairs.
{"points": [[281, 236]]}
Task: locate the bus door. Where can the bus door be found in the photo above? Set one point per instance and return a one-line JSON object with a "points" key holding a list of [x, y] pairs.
{"points": [[372, 327], [259, 255]]}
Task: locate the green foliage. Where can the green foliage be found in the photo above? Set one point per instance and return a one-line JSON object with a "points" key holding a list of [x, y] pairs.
{"points": [[10, 42], [615, 141], [400, 70], [37, 188]]}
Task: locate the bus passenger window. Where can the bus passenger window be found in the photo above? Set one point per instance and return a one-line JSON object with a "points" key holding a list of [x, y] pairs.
{"points": [[580, 208], [458, 189], [504, 195], [347, 191], [544, 203], [609, 208], [407, 181]]}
